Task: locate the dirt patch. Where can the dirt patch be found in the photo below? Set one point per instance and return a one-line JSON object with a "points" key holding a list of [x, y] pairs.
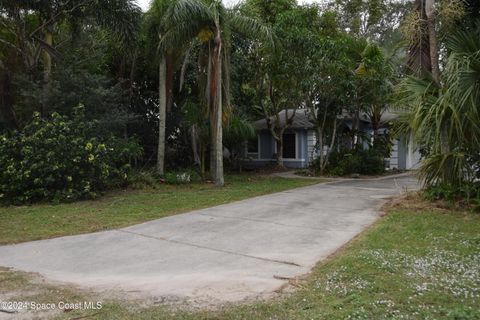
{"points": [[30, 296]]}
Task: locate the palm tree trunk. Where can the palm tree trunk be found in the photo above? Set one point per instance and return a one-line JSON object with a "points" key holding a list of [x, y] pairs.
{"points": [[212, 151], [432, 36], [419, 60], [219, 179], [169, 81], [218, 138], [162, 107]]}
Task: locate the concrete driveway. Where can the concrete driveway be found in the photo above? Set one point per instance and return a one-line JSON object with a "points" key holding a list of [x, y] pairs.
{"points": [[225, 253]]}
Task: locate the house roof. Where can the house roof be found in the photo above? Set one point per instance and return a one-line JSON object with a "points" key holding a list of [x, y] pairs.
{"points": [[302, 119]]}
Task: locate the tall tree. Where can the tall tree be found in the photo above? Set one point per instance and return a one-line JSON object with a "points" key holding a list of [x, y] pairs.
{"points": [[156, 29], [212, 24], [452, 113], [375, 73], [284, 69]]}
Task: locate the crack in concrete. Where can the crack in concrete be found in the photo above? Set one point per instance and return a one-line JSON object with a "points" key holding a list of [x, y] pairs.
{"points": [[212, 249], [393, 190], [271, 222]]}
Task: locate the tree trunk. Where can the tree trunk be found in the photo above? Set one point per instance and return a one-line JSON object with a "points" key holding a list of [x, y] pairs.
{"points": [[219, 179], [162, 106], [132, 74], [214, 100], [332, 142], [194, 137], [47, 68], [46, 57], [419, 60], [202, 161], [320, 129], [169, 81], [280, 153], [355, 128], [376, 128], [212, 151], [432, 37], [321, 167]]}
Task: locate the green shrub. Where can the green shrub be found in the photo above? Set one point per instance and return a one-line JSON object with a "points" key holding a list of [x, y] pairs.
{"points": [[62, 159], [467, 194], [368, 162], [441, 192], [143, 179]]}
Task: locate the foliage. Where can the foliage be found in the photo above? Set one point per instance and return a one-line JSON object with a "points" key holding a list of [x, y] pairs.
{"points": [[142, 179], [467, 194], [444, 120], [62, 159], [235, 134], [374, 88], [374, 19], [69, 86], [356, 161], [210, 25]]}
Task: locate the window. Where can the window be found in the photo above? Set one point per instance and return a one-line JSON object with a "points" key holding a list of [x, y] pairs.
{"points": [[252, 146], [289, 146]]}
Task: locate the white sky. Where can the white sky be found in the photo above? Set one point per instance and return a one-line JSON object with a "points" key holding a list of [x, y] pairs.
{"points": [[145, 3]]}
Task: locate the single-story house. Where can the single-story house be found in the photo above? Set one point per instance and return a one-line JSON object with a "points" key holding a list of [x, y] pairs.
{"points": [[299, 142]]}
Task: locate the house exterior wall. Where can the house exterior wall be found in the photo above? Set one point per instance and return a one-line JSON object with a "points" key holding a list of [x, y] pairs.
{"points": [[404, 153], [393, 160], [267, 151], [413, 156]]}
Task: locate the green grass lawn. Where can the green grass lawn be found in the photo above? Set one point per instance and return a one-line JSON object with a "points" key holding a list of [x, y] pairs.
{"points": [[415, 263], [123, 208]]}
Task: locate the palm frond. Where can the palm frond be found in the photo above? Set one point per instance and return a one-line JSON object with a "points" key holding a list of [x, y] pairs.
{"points": [[249, 27], [121, 17]]}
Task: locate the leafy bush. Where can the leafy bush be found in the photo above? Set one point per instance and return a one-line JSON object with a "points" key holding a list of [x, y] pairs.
{"points": [[143, 179], [62, 159], [467, 194], [368, 162]]}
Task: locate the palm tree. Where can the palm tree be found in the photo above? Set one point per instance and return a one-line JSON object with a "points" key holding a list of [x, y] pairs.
{"points": [[212, 25], [375, 73], [450, 113], [156, 29]]}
